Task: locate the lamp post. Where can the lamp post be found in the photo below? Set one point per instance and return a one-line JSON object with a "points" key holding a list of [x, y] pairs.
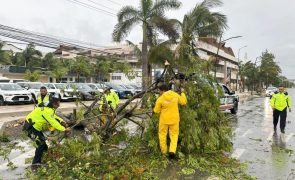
{"points": [[254, 75], [238, 72], [219, 44]]}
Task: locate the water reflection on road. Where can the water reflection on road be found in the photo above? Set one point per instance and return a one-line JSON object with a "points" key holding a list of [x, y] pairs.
{"points": [[268, 156]]}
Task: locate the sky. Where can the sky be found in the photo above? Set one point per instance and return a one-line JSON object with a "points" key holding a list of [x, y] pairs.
{"points": [[263, 24]]}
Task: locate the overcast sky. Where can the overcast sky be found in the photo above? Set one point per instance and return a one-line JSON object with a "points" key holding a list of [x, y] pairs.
{"points": [[264, 24]]}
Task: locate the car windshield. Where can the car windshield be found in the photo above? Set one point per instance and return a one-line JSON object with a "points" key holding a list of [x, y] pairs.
{"points": [[10, 87], [60, 86], [271, 88], [81, 87], [113, 86], [36, 86]]}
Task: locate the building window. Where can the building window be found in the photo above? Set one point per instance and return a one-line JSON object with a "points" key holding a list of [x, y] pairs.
{"points": [[116, 77]]}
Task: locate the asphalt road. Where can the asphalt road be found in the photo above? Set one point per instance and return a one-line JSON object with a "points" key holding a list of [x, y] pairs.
{"points": [[268, 156]]}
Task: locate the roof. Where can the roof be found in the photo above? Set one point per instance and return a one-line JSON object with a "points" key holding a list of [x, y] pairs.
{"points": [[213, 42]]}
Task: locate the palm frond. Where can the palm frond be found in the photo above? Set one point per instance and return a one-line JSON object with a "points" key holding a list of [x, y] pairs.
{"points": [[165, 26], [136, 50], [146, 6], [211, 3], [161, 5], [122, 29], [127, 12]]}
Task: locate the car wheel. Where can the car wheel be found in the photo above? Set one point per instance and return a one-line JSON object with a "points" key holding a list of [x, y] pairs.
{"points": [[2, 103], [82, 97], [234, 110]]}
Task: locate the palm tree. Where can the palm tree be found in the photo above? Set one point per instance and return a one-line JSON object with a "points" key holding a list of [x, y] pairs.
{"points": [[5, 56], [81, 66], [200, 22], [151, 16], [31, 56]]}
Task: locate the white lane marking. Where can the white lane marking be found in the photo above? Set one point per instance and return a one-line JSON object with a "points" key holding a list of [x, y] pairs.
{"points": [[289, 137], [237, 153], [247, 132], [269, 137]]}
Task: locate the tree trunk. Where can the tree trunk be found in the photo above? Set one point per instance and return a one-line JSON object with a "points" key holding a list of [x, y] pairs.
{"points": [[144, 58], [78, 77], [150, 72]]}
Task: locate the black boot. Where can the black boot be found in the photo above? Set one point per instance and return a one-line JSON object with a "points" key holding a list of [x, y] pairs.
{"points": [[171, 155]]}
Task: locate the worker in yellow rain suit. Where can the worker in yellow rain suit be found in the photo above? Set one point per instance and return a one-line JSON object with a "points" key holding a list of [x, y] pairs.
{"points": [[40, 119], [112, 99], [167, 106], [279, 102]]}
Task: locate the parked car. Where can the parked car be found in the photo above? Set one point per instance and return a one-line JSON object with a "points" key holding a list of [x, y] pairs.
{"points": [[84, 92], [229, 100], [6, 80], [34, 88], [270, 91], [96, 87], [137, 88], [13, 93], [61, 89], [122, 92]]}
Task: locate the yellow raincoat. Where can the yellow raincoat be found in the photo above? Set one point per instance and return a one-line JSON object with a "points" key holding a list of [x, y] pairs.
{"points": [[45, 118], [280, 101], [167, 106]]}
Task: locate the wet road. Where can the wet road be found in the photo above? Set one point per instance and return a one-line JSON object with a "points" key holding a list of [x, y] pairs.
{"points": [[267, 156]]}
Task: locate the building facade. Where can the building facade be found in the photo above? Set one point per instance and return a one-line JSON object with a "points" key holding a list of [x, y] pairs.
{"points": [[225, 63]]}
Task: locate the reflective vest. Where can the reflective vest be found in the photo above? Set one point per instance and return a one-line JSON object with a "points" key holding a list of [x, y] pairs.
{"points": [[44, 101], [280, 101], [44, 117], [113, 98]]}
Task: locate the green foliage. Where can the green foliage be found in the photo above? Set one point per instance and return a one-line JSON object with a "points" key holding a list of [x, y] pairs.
{"points": [[151, 15], [31, 56], [106, 65], [82, 66], [5, 56], [32, 76]]}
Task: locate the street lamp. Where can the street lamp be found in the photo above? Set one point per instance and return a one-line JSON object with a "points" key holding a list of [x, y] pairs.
{"points": [[238, 72], [254, 77], [219, 43]]}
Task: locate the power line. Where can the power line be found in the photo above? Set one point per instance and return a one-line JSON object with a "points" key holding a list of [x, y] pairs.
{"points": [[43, 40], [92, 7], [114, 2], [102, 5]]}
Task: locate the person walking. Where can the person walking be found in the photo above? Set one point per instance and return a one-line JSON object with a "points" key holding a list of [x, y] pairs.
{"points": [[40, 119], [279, 102], [167, 106], [43, 97]]}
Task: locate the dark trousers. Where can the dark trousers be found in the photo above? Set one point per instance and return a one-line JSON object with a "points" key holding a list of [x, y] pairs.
{"points": [[41, 146], [283, 116]]}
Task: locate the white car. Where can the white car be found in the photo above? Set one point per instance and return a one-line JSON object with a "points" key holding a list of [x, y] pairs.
{"points": [[61, 89], [34, 88], [13, 93], [96, 86], [270, 91]]}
